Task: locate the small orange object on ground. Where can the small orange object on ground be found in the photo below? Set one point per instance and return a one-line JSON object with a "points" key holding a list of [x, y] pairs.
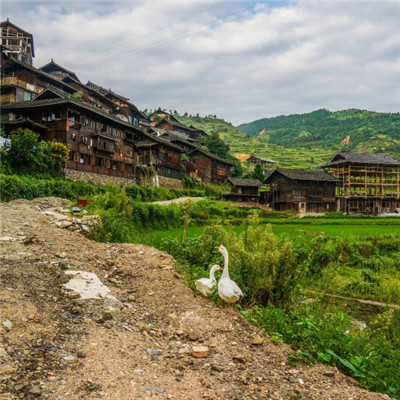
{"points": [[200, 351]]}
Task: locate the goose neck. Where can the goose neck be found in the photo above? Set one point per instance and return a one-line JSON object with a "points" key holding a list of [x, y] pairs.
{"points": [[225, 272]]}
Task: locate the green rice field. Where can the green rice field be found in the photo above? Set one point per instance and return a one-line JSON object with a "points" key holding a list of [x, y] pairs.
{"points": [[296, 229]]}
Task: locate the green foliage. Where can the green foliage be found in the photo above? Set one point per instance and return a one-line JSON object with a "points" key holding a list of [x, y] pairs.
{"points": [[216, 145], [307, 140], [122, 217], [377, 132], [28, 154], [258, 173], [29, 187], [323, 332], [265, 269], [240, 142], [150, 193], [77, 95]]}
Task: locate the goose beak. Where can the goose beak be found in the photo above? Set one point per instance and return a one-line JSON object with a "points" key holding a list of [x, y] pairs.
{"points": [[217, 248], [220, 269]]}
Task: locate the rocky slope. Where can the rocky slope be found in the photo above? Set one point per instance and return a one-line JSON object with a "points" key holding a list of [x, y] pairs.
{"points": [[137, 343]]}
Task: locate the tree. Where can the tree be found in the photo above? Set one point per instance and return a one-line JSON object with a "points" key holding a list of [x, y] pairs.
{"points": [[28, 154], [258, 173], [216, 145]]}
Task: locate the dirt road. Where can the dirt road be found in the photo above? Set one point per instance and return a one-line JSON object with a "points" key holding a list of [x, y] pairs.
{"points": [[179, 200], [56, 345]]}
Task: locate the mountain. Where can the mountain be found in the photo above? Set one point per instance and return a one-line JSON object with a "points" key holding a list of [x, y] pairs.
{"points": [[307, 140], [363, 130], [242, 143]]}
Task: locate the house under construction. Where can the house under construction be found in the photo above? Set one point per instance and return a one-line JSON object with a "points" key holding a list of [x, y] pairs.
{"points": [[368, 183]]}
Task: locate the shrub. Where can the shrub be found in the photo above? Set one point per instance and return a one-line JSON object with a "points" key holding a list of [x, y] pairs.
{"points": [[265, 269], [28, 154], [323, 332]]}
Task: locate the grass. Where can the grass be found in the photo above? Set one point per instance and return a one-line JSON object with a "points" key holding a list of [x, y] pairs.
{"points": [[296, 230]]}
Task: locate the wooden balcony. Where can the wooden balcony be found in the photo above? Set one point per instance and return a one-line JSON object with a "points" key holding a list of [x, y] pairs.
{"points": [[8, 98], [14, 81]]}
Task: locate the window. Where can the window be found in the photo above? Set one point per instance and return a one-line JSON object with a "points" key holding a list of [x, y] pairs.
{"points": [[27, 96]]}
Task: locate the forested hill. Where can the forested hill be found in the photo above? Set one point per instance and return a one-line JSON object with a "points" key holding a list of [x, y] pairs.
{"points": [[323, 129], [240, 142], [307, 140]]}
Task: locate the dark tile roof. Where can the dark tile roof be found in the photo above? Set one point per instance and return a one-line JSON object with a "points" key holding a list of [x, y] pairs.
{"points": [[211, 155], [98, 111], [57, 93], [23, 122], [177, 124], [89, 89], [104, 92], [60, 67], [78, 103], [303, 175], [362, 158], [173, 137], [262, 159], [245, 182], [43, 74]]}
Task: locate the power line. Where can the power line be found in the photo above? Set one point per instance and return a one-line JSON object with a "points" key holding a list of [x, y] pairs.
{"points": [[176, 36], [123, 44]]}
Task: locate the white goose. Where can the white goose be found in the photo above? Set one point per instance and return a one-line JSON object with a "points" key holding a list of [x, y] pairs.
{"points": [[206, 285], [228, 290]]}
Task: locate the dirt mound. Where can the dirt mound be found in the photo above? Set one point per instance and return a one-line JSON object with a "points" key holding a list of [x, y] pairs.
{"points": [[135, 343]]}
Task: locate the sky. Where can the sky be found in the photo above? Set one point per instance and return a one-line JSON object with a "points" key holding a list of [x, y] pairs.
{"points": [[240, 60]]}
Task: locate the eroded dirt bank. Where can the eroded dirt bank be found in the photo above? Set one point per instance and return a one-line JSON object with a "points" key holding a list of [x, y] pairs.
{"points": [[56, 345]]}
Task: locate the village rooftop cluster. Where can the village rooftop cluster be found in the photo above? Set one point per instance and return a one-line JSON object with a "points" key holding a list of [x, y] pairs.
{"points": [[108, 136]]}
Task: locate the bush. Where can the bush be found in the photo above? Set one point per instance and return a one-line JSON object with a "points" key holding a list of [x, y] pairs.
{"points": [[28, 187], [323, 332], [29, 155], [265, 269]]}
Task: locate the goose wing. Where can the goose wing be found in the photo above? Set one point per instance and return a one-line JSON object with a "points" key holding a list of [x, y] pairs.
{"points": [[229, 288], [204, 285]]}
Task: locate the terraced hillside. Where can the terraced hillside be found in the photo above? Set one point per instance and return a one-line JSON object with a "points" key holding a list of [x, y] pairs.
{"points": [[241, 142], [306, 140], [363, 130]]}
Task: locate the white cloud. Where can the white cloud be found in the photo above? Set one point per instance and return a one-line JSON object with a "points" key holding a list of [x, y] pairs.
{"points": [[237, 61]]}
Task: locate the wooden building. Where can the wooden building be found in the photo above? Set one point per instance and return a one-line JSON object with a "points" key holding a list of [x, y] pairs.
{"points": [[123, 109], [244, 190], [164, 120], [16, 42], [22, 82], [58, 71], [99, 142], [302, 191], [202, 165], [267, 165], [208, 167], [368, 183]]}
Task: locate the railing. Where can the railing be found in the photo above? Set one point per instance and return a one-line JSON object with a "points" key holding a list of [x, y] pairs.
{"points": [[8, 98], [13, 80]]}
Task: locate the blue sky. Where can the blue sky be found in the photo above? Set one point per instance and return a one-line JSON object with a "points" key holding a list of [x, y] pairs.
{"points": [[239, 60]]}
